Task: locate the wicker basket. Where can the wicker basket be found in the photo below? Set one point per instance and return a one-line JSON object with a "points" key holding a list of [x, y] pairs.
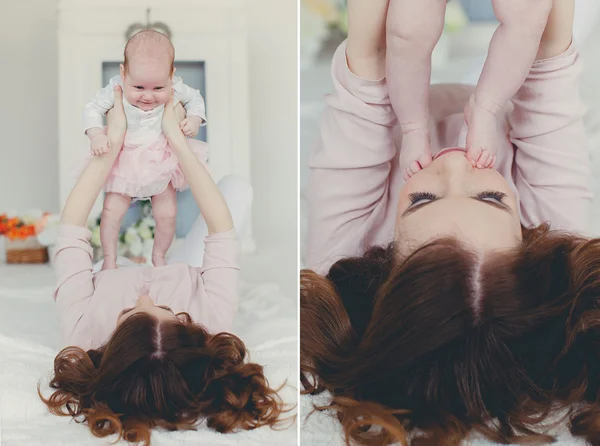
{"points": [[26, 251]]}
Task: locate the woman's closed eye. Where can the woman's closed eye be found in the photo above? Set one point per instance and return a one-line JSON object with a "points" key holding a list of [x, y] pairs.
{"points": [[420, 199]]}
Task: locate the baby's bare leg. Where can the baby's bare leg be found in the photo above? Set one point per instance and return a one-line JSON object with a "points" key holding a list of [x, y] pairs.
{"points": [[413, 30], [512, 52], [115, 207], [164, 209]]}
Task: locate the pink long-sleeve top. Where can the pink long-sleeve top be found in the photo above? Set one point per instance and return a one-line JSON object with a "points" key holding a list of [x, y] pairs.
{"points": [[89, 304], [355, 177]]}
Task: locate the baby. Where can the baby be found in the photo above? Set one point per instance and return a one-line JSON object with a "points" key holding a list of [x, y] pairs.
{"points": [[510, 57], [145, 168]]}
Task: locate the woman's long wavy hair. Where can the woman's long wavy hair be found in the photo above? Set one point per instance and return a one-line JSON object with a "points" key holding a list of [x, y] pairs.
{"points": [[169, 374], [426, 349]]}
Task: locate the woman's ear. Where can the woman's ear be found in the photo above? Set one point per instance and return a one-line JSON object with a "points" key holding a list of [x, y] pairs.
{"points": [[184, 317]]}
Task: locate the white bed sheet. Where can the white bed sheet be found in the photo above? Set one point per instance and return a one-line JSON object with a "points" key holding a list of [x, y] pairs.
{"points": [[29, 342]]}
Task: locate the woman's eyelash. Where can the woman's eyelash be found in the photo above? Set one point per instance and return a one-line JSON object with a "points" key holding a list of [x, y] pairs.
{"points": [[496, 195], [415, 197], [418, 196]]}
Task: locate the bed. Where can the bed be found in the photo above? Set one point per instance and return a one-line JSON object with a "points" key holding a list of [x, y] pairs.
{"points": [[29, 341]]}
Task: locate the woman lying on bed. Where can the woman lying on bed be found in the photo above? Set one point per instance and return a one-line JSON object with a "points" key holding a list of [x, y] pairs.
{"points": [[451, 302], [150, 346]]}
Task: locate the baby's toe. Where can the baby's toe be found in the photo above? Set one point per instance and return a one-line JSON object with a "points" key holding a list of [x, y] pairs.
{"points": [[485, 160], [412, 169]]}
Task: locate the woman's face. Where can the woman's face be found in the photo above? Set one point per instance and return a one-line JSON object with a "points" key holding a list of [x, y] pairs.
{"points": [[146, 305], [452, 198]]}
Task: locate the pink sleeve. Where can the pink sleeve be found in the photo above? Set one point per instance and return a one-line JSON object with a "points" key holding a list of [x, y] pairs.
{"points": [[220, 273], [74, 279], [350, 166], [552, 164]]}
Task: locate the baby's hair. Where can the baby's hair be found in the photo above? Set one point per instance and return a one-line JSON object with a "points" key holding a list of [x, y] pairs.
{"points": [[149, 43]]}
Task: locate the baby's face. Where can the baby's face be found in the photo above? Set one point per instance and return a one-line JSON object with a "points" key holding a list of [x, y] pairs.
{"points": [[147, 83]]}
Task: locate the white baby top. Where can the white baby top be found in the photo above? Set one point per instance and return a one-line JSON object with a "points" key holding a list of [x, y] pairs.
{"points": [[137, 119]]}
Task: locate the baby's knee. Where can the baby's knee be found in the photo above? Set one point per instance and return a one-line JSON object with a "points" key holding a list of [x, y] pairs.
{"points": [[115, 206], [404, 29], [165, 211]]}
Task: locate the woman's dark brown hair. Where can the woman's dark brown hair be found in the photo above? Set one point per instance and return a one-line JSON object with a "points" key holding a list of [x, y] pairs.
{"points": [[167, 374], [426, 349]]}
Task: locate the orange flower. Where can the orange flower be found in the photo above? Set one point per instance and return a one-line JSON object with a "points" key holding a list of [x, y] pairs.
{"points": [[14, 228]]}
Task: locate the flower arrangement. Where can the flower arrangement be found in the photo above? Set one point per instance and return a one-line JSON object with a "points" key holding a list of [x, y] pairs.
{"points": [[21, 228], [136, 241], [20, 243]]}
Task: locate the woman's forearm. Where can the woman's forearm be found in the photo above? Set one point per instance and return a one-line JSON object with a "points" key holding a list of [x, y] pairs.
{"points": [[366, 38], [89, 185], [211, 203], [85, 192], [558, 34]]}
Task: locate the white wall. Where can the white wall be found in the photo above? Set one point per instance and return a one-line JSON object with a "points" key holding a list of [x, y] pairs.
{"points": [[28, 145], [273, 110], [28, 121]]}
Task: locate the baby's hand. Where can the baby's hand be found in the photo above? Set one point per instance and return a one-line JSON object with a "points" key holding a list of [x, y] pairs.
{"points": [[99, 145], [190, 126]]}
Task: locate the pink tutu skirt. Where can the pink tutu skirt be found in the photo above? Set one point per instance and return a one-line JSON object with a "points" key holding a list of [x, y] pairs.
{"points": [[146, 166]]}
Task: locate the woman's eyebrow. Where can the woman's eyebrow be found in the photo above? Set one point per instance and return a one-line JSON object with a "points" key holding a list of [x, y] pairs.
{"points": [[124, 312], [164, 307]]}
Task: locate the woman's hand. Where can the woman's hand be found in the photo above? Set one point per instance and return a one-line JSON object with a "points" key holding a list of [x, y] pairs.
{"points": [[365, 49], [170, 123], [116, 122]]}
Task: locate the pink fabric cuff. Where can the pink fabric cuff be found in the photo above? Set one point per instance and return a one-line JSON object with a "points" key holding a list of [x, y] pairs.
{"points": [[74, 231], [368, 91], [557, 62]]}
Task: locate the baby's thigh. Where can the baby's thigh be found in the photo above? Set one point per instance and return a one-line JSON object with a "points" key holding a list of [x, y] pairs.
{"points": [[525, 13]]}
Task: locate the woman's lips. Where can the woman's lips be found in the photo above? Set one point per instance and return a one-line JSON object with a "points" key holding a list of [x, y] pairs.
{"points": [[449, 150]]}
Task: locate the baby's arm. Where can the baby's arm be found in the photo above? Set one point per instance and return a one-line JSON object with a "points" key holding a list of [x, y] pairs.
{"points": [[413, 30], [93, 114], [195, 109], [511, 54]]}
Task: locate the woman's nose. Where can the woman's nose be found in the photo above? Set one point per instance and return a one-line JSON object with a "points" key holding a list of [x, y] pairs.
{"points": [[455, 173], [143, 300]]}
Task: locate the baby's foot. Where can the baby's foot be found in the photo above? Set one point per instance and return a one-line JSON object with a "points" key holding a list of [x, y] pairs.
{"points": [[158, 260], [482, 136], [415, 154]]}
